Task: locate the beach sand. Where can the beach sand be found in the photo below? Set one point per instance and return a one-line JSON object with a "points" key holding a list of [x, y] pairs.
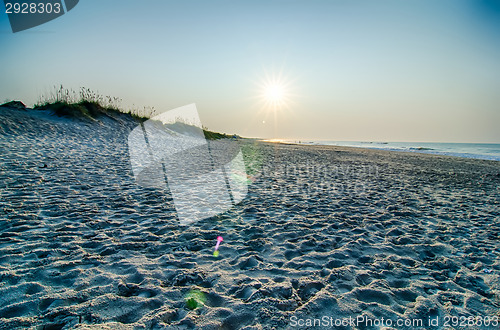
{"points": [[324, 233]]}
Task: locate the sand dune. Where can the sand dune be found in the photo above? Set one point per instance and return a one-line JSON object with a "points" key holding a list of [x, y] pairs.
{"points": [[323, 232]]}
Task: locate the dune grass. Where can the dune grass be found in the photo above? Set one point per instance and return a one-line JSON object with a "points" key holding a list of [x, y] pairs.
{"points": [[90, 105], [85, 104], [209, 135]]}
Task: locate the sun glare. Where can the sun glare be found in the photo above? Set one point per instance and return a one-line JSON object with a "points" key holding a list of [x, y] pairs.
{"points": [[275, 92], [276, 98]]}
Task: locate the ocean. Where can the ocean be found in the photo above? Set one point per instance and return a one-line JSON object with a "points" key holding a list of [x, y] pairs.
{"points": [[490, 151]]}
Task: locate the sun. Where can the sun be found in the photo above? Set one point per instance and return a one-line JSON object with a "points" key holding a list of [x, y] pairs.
{"points": [[275, 92], [275, 97]]}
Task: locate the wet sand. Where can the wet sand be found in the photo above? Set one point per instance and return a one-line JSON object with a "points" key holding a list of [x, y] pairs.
{"points": [[324, 233]]}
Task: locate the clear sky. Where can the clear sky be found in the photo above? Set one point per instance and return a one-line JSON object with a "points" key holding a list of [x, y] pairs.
{"points": [[345, 70]]}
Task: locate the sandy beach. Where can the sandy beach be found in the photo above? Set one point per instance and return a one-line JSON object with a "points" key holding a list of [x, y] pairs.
{"points": [[325, 233]]}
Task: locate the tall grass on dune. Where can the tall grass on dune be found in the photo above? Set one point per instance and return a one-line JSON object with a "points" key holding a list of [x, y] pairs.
{"points": [[88, 104], [70, 96], [85, 103]]}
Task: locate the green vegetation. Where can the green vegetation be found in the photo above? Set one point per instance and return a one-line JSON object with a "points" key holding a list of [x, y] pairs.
{"points": [[89, 110], [209, 135], [85, 104], [88, 104]]}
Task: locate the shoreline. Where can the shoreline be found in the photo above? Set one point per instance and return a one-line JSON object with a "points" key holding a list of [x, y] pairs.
{"points": [[365, 149], [419, 150]]}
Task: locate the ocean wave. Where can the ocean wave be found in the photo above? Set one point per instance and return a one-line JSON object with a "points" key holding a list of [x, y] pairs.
{"points": [[421, 148]]}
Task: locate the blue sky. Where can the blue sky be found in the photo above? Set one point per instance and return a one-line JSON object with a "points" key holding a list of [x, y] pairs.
{"points": [[351, 70]]}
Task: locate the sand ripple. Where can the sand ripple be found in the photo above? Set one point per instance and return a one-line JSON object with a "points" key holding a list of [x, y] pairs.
{"points": [[324, 231]]}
